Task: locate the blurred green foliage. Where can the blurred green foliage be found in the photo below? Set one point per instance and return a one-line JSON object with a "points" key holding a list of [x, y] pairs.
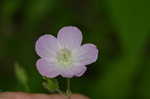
{"points": [[21, 76], [120, 29]]}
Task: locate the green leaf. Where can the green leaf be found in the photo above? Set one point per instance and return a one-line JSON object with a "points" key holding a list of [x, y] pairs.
{"points": [[21, 76], [50, 84]]}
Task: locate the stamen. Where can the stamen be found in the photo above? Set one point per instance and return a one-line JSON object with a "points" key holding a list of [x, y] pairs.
{"points": [[64, 57]]}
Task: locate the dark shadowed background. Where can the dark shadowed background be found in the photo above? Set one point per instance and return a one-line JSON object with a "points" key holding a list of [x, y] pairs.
{"points": [[119, 28]]}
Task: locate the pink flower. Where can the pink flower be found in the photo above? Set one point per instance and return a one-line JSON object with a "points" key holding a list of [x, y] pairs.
{"points": [[64, 55]]}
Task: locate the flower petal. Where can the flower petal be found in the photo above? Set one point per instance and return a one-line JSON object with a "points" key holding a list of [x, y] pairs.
{"points": [[67, 74], [70, 37], [46, 45], [73, 71], [88, 54], [81, 71], [47, 68]]}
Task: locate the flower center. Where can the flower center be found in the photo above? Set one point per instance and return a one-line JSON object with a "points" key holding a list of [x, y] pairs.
{"points": [[64, 57]]}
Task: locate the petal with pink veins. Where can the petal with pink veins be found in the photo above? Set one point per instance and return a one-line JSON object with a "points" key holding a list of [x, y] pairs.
{"points": [[88, 54], [47, 68], [70, 37], [46, 46]]}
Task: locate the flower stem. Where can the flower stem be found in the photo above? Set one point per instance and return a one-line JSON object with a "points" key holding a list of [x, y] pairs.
{"points": [[68, 91]]}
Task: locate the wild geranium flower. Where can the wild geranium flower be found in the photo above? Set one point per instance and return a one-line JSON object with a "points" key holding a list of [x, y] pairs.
{"points": [[64, 55]]}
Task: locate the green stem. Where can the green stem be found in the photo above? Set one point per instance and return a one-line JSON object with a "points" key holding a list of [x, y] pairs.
{"points": [[68, 91]]}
